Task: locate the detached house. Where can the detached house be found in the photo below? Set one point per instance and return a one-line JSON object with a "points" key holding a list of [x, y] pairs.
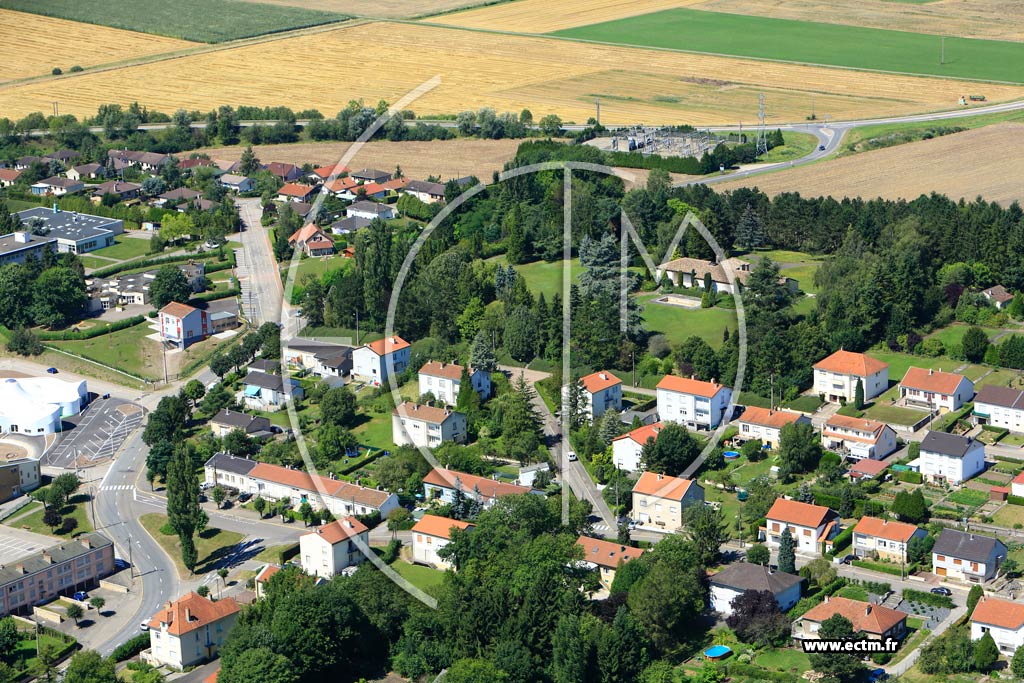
{"points": [[57, 186], [740, 577], [950, 458], [267, 392], [296, 192], [1002, 619], [660, 500], [858, 438], [941, 391], [312, 241], [606, 557], [227, 421], [626, 448], [9, 176], [836, 377], [370, 175], [999, 297], [425, 191], [429, 535], [375, 361], [602, 391], [874, 621], [811, 526], [691, 272], [236, 183], [766, 424], [1000, 407], [444, 381], [697, 404], [322, 173], [332, 548], [284, 172], [886, 538], [426, 426], [442, 483], [190, 630], [370, 210], [86, 171], [183, 325], [967, 557]]}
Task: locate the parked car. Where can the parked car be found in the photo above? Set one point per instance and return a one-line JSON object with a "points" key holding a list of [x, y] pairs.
{"points": [[52, 371], [877, 675], [120, 564], [81, 596], [848, 559], [144, 626], [942, 590], [244, 497]]}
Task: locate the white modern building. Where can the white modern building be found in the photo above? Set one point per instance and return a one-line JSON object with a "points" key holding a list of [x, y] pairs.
{"points": [[626, 448], [374, 362], [692, 402], [429, 535], [76, 233], [1002, 619], [811, 526], [35, 405], [413, 424], [332, 548], [951, 458], [836, 377], [858, 438], [444, 381]]}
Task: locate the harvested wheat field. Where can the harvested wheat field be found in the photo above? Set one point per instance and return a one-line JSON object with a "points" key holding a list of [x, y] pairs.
{"points": [[539, 16], [391, 9], [505, 72], [443, 158], [992, 19], [85, 45], [967, 164]]}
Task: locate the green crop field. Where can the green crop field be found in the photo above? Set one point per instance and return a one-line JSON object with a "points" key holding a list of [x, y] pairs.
{"points": [[811, 42], [204, 21]]}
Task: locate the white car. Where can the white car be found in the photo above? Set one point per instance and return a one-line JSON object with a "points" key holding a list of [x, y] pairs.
{"points": [[144, 626], [572, 456]]}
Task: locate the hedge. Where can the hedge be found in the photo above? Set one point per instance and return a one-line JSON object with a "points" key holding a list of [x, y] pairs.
{"points": [[826, 499], [81, 335], [947, 421], [130, 648], [214, 296], [910, 477], [362, 463], [156, 261], [739, 669], [288, 553], [878, 567], [928, 598], [842, 540], [1015, 500]]}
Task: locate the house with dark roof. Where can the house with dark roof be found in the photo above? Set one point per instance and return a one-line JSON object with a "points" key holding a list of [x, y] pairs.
{"points": [[57, 186], [875, 622], [425, 191], [950, 458], [118, 188], [86, 171], [966, 556], [370, 210], [268, 392], [370, 175], [284, 172], [346, 226], [740, 577], [811, 526], [935, 390], [324, 359], [227, 421], [1002, 619], [1000, 407]]}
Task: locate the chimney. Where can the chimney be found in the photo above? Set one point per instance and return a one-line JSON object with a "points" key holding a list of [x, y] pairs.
{"points": [[661, 475], [56, 209], [168, 605], [348, 523], [21, 237], [319, 530], [826, 598], [930, 372], [603, 376], [20, 568]]}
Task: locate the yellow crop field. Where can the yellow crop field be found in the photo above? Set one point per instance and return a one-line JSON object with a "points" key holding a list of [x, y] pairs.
{"points": [[393, 9], [44, 43], [540, 16], [506, 72], [910, 170]]}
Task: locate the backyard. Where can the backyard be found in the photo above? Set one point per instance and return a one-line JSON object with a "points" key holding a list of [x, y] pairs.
{"points": [[678, 323]]}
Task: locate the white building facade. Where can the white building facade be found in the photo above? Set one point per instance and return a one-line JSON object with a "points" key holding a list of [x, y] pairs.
{"points": [[696, 404]]}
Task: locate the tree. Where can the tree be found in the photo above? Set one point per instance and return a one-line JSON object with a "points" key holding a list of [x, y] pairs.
{"points": [[223, 574], [920, 549], [65, 485], [787, 553], [670, 597], [58, 296], [482, 354], [398, 518], [220, 365], [153, 186], [52, 518], [183, 511], [176, 226], [203, 591], [1017, 663], [986, 653], [757, 619], [673, 451], [910, 507], [858, 395], [750, 230], [839, 667], [973, 596], [259, 664], [89, 667], [799, 449], [550, 125], [975, 344], [473, 670], [306, 512], [9, 637], [194, 391], [259, 504], [169, 284], [820, 571], [97, 604], [248, 163], [74, 611], [759, 554], [218, 494], [706, 528], [338, 407], [24, 342], [46, 661]]}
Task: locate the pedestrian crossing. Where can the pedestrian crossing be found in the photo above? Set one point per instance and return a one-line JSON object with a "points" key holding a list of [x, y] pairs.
{"points": [[602, 527], [117, 487]]}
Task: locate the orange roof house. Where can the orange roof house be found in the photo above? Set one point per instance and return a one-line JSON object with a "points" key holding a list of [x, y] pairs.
{"points": [[799, 514], [641, 434], [887, 529], [339, 185], [388, 345], [871, 619], [764, 417], [192, 612], [325, 172], [442, 483], [850, 363], [811, 526], [296, 192], [997, 612], [663, 486], [688, 385], [932, 380], [439, 527], [340, 530], [606, 553], [599, 381], [936, 389]]}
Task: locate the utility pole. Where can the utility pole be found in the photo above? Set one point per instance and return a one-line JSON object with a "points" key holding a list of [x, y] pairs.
{"points": [[357, 328], [131, 565], [813, 117], [599, 111], [632, 358]]}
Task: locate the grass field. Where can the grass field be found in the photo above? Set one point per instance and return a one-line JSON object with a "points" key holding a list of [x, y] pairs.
{"points": [[913, 169], [894, 414], [900, 362], [398, 9], [797, 145], [954, 334], [204, 21], [127, 350], [211, 546], [678, 323], [75, 509], [879, 136], [422, 577], [811, 43], [125, 248], [784, 660], [505, 72], [536, 16], [82, 45]]}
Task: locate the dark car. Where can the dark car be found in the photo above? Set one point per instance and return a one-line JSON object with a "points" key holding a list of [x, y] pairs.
{"points": [[848, 559], [942, 590], [120, 564], [244, 497], [52, 371], [821, 148], [877, 675], [81, 596]]}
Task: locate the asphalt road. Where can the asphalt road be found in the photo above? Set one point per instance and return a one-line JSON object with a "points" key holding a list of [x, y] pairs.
{"points": [[256, 267]]}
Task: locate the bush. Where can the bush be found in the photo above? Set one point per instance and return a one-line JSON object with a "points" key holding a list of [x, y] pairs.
{"points": [[391, 551], [740, 670], [910, 477], [287, 554], [57, 71], [928, 598], [1015, 500], [878, 567], [76, 69], [881, 658], [130, 648], [842, 540]]}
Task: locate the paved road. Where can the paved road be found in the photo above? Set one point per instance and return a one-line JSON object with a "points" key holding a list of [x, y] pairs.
{"points": [[256, 268]]}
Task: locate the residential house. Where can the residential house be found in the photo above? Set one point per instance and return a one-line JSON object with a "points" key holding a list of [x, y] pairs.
{"points": [[86, 172], [183, 325], [1000, 618], [858, 437], [312, 241], [999, 297], [236, 183], [324, 359], [935, 390], [875, 622], [444, 381], [697, 404], [296, 192], [60, 569], [295, 487], [395, 185], [370, 175], [1000, 407], [347, 226], [740, 577], [370, 210], [24, 162], [413, 424], [188, 166], [884, 538], [284, 172], [766, 424], [118, 188], [1017, 485], [76, 233], [602, 391], [866, 468], [967, 557], [9, 176], [374, 362], [425, 191], [304, 210], [269, 392], [606, 557], [333, 548], [836, 377], [692, 272], [190, 630], [177, 196], [951, 458], [441, 484], [342, 188], [200, 204], [371, 191], [18, 477], [63, 156], [262, 577], [626, 448], [429, 535], [146, 161], [811, 526], [227, 421], [57, 186], [322, 173], [660, 500]]}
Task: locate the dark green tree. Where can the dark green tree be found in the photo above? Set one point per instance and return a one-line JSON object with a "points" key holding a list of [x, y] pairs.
{"points": [[759, 554], [858, 395], [838, 667], [169, 285], [973, 596], [787, 553], [672, 452], [799, 449], [58, 297], [89, 667], [986, 653], [183, 511], [975, 344], [338, 407], [757, 619], [706, 528], [910, 507]]}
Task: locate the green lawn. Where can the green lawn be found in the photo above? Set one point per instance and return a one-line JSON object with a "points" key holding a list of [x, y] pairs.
{"points": [[75, 509], [1009, 516], [1012, 440], [811, 42], [424, 578], [805, 404], [899, 363], [543, 277], [887, 135], [894, 414], [968, 497], [23, 659], [125, 249], [376, 432], [954, 334], [272, 554], [678, 323], [999, 378], [94, 263], [127, 350], [315, 267], [854, 593], [784, 659], [797, 145], [211, 546]]}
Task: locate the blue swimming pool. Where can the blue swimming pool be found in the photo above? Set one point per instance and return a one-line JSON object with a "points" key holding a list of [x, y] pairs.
{"points": [[731, 455], [717, 652]]}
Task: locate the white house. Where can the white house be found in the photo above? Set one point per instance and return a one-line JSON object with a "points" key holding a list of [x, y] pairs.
{"points": [[886, 538], [374, 362], [809, 525], [425, 191], [1017, 485], [441, 484], [836, 377], [369, 210], [950, 458], [626, 447], [183, 325], [766, 424], [875, 622], [999, 297], [236, 183], [602, 391], [189, 631], [331, 548], [740, 577], [606, 557], [444, 381], [429, 535], [1000, 407], [263, 391], [413, 424], [691, 272], [1002, 619], [858, 438], [935, 390], [661, 500], [697, 404], [966, 556]]}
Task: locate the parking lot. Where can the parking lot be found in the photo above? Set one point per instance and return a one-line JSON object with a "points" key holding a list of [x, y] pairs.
{"points": [[16, 543], [95, 434]]}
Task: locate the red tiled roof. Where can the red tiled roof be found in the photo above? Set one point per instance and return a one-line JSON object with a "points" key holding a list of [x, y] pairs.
{"points": [[868, 466], [295, 190], [864, 616], [265, 573], [191, 612], [932, 380], [1019, 479], [306, 233], [341, 184], [440, 369], [662, 485], [999, 612], [641, 434], [320, 243], [387, 345], [177, 310], [371, 188], [340, 530], [395, 184], [319, 485], [860, 424], [439, 527], [800, 514], [885, 528], [605, 553], [489, 488], [415, 411], [9, 174], [326, 172], [850, 363], [281, 169], [599, 381], [998, 293], [686, 385], [764, 417]]}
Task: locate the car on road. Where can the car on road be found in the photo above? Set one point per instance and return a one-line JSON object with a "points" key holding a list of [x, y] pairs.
{"points": [[848, 559], [81, 596], [877, 675], [52, 371], [572, 456], [144, 626], [942, 590], [821, 148]]}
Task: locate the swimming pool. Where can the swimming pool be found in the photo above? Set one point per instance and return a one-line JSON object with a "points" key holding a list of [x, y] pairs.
{"points": [[717, 652], [731, 455]]}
